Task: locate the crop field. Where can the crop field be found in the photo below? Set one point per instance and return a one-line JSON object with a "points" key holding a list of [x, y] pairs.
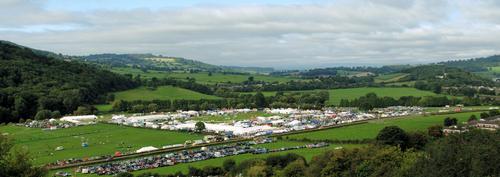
{"points": [[161, 93], [103, 139], [371, 129], [183, 167]]}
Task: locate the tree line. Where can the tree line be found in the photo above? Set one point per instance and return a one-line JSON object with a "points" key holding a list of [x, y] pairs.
{"points": [[304, 100], [371, 101]]}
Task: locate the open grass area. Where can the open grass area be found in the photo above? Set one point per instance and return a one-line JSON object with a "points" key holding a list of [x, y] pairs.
{"points": [[401, 84], [104, 107], [396, 92], [386, 78], [103, 139], [134, 72], [371, 129], [203, 77], [352, 93], [161, 93], [307, 153]]}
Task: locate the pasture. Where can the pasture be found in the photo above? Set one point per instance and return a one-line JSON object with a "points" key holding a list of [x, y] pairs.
{"points": [[203, 77], [352, 93], [370, 130], [396, 92], [161, 93], [103, 139]]}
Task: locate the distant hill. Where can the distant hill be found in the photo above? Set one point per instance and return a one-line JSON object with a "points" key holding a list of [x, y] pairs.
{"points": [[475, 64], [345, 71], [33, 80], [164, 63], [150, 61], [444, 75]]}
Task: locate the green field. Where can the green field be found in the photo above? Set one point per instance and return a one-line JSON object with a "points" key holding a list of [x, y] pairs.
{"points": [[352, 93], [362, 131], [371, 129], [161, 93], [134, 72], [232, 78], [307, 153], [203, 77], [103, 139], [386, 78]]}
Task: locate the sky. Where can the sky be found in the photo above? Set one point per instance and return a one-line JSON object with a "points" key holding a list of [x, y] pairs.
{"points": [[287, 34]]}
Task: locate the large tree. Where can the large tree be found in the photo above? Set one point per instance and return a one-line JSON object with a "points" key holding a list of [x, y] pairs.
{"points": [[17, 162], [394, 136]]}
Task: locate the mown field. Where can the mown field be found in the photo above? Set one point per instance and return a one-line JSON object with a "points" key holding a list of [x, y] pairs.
{"points": [[203, 77], [371, 129], [352, 93], [103, 139]]}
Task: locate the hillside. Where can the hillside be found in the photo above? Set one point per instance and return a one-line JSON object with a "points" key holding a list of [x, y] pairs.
{"points": [[160, 93], [444, 76], [149, 61], [31, 82], [475, 64]]}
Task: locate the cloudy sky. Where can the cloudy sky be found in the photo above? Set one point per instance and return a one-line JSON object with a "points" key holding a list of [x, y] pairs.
{"points": [[281, 34]]}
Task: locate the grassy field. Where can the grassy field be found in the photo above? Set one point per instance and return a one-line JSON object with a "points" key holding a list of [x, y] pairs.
{"points": [[371, 129], [203, 77], [386, 78], [362, 131], [401, 84], [307, 153], [337, 94], [134, 72], [161, 93], [103, 139], [352, 93]]}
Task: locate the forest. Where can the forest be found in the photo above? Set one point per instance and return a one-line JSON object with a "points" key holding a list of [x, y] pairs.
{"points": [[31, 82]]}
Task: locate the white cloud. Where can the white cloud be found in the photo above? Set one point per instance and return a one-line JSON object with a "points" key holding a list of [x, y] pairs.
{"points": [[299, 35]]}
